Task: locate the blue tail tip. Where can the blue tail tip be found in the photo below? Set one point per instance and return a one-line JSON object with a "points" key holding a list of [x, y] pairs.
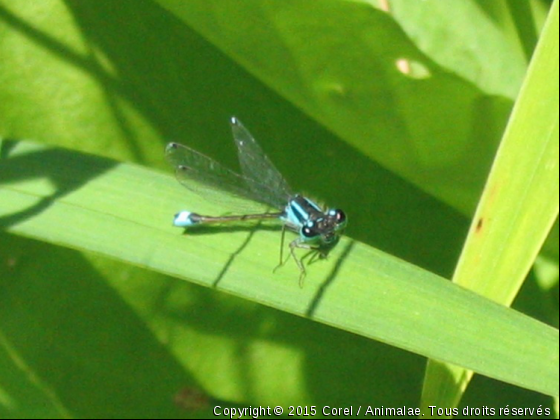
{"points": [[184, 219]]}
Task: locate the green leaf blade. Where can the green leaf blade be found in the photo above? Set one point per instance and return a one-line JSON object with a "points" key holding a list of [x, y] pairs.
{"points": [[518, 208], [124, 213]]}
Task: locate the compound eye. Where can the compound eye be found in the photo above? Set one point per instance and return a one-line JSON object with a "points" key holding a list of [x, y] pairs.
{"points": [[309, 231], [339, 216]]}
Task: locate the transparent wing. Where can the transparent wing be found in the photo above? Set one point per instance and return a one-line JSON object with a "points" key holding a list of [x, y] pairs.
{"points": [[211, 180], [262, 177]]}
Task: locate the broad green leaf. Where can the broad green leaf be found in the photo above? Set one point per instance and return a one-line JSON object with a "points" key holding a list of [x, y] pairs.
{"points": [[484, 53], [123, 212], [340, 65], [518, 207]]}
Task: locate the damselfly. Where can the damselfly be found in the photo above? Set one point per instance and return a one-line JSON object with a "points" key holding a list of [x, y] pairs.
{"points": [[319, 229]]}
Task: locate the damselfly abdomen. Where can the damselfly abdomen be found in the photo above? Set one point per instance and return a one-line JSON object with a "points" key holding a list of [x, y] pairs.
{"points": [[319, 230]]}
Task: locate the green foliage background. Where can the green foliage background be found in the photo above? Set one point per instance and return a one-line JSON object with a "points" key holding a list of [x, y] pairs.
{"points": [[406, 155]]}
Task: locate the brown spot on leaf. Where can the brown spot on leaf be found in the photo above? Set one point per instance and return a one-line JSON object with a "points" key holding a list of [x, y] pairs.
{"points": [[479, 224]]}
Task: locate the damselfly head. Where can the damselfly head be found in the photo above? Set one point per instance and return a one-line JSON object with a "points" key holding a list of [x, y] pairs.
{"points": [[324, 230]]}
